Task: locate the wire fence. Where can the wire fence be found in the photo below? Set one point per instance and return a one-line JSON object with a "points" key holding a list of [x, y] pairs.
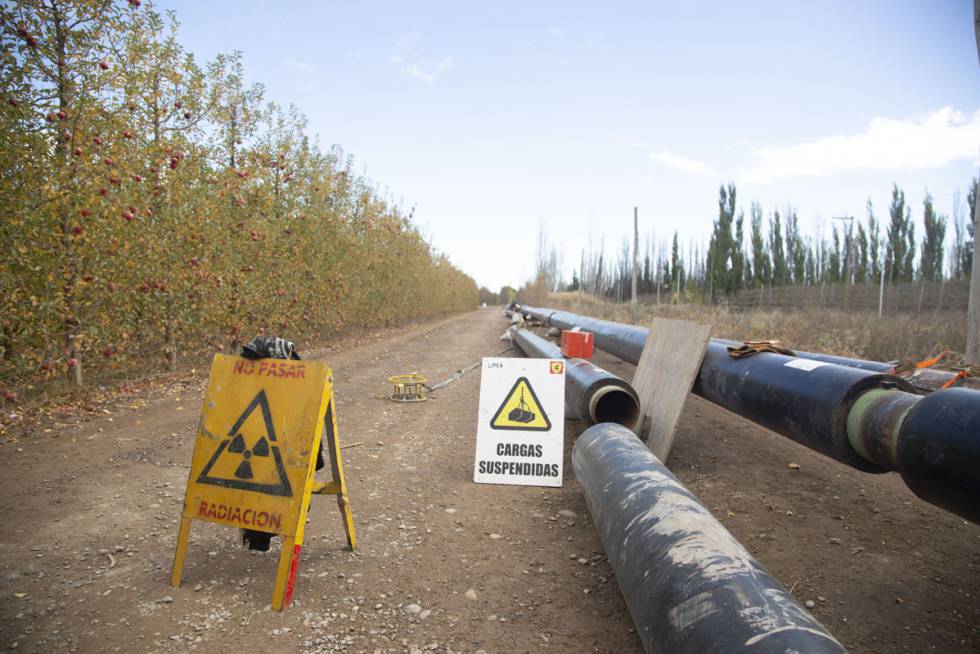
{"points": [[948, 295]]}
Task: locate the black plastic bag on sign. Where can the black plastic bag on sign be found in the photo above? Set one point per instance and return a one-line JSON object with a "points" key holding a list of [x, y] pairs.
{"points": [[269, 347]]}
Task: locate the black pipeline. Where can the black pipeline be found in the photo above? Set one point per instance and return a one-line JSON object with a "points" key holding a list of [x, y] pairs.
{"points": [[627, 343], [594, 394], [933, 441], [868, 420], [689, 584]]}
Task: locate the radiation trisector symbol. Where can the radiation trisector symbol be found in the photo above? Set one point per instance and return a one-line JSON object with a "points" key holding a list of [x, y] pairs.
{"points": [[248, 459], [521, 410]]}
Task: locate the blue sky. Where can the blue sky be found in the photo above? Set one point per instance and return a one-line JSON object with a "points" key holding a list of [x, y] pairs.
{"points": [[496, 118]]}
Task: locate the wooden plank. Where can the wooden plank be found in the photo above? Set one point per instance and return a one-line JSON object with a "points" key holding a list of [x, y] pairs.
{"points": [[668, 366]]}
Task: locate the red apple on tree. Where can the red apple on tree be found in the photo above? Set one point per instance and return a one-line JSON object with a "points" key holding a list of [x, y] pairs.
{"points": [[24, 34]]}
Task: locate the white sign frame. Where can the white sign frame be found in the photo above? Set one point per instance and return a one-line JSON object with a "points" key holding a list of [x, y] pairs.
{"points": [[509, 454]]}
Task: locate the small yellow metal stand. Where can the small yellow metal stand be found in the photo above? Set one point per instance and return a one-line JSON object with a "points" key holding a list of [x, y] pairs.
{"points": [[407, 388], [255, 456]]}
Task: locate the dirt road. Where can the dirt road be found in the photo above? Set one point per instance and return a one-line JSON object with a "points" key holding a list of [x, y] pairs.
{"points": [[89, 517]]}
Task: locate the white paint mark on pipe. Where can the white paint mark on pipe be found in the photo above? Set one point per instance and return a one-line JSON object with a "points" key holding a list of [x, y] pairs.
{"points": [[755, 639]]}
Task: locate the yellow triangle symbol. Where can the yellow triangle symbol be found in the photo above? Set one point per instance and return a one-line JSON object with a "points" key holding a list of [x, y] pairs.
{"points": [[521, 410]]}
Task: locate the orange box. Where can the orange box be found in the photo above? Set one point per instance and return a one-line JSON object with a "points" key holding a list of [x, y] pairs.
{"points": [[577, 345]]}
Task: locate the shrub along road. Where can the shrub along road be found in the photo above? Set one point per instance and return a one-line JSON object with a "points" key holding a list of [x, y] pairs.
{"points": [[90, 516]]}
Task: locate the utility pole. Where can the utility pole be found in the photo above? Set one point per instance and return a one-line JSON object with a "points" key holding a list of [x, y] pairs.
{"points": [[636, 246], [972, 349], [973, 307]]}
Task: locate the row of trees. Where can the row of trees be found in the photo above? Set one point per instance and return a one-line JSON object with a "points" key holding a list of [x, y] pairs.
{"points": [[772, 251], [154, 205]]}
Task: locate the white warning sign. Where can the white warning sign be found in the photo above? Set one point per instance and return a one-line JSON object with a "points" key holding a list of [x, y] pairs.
{"points": [[520, 435]]}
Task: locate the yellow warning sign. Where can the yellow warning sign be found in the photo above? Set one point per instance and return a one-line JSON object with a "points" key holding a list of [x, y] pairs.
{"points": [[521, 410], [256, 452]]}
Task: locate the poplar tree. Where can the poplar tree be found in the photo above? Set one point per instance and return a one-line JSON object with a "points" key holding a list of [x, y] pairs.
{"points": [[861, 270], [761, 267], [931, 259], [900, 243], [738, 253], [675, 265], [969, 245], [779, 270], [874, 245], [795, 248], [721, 246], [834, 262]]}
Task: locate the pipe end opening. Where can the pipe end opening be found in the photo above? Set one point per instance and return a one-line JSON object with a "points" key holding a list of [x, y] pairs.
{"points": [[618, 406]]}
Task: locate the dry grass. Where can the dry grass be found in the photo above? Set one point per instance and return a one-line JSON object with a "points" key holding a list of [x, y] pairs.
{"points": [[853, 333]]}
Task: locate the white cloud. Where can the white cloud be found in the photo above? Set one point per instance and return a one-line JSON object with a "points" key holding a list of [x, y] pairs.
{"points": [[688, 165], [429, 71], [301, 66], [411, 58], [556, 31], [931, 140]]}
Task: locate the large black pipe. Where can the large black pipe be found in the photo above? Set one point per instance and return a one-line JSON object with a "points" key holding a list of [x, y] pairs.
{"points": [[809, 406], [808, 402], [627, 343], [932, 441], [689, 585], [623, 341], [944, 471], [594, 394], [868, 420]]}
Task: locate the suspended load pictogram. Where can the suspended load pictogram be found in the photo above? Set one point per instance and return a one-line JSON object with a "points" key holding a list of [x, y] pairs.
{"points": [[522, 413], [521, 410]]}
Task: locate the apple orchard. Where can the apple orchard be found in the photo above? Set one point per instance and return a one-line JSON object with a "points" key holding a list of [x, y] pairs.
{"points": [[154, 208]]}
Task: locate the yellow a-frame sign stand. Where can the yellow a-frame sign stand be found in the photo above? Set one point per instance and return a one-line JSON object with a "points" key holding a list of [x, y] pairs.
{"points": [[255, 455]]}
